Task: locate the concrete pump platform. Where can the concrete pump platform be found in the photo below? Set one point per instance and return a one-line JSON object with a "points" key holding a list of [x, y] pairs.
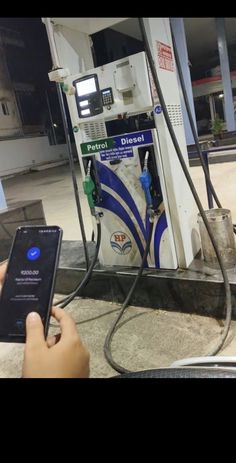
{"points": [[198, 289]]}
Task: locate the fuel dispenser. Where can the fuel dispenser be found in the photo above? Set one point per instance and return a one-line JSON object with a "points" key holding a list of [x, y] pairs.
{"points": [[130, 171], [123, 174]]}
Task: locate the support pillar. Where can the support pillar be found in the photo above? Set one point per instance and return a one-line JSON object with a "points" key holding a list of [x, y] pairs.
{"points": [[177, 25], [225, 73]]}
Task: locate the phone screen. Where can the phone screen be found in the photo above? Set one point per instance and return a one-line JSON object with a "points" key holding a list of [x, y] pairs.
{"points": [[29, 280]]}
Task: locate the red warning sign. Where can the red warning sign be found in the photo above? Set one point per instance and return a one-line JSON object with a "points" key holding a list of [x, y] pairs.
{"points": [[165, 56], [153, 87]]}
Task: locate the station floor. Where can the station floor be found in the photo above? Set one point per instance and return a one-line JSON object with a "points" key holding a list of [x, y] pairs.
{"points": [[152, 338]]}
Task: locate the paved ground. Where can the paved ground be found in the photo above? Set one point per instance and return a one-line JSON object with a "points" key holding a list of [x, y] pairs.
{"points": [[150, 339], [153, 338], [54, 187]]}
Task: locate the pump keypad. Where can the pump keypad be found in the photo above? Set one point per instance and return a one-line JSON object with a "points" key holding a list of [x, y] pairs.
{"points": [[107, 96]]}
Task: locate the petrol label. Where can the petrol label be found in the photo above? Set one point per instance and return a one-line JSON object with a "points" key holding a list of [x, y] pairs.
{"points": [[117, 147]]}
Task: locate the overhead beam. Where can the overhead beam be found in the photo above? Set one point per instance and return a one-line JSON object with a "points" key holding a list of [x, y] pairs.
{"points": [[87, 25]]}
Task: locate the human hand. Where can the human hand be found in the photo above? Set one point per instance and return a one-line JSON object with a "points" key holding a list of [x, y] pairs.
{"points": [[3, 268], [67, 358]]}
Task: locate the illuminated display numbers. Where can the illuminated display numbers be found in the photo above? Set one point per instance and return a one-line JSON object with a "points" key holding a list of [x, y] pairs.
{"points": [[47, 231]]}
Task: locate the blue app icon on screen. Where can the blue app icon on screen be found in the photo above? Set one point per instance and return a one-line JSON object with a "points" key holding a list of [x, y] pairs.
{"points": [[33, 253]]}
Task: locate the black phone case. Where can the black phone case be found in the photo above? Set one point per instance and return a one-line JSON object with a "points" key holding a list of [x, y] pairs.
{"points": [[22, 338]]}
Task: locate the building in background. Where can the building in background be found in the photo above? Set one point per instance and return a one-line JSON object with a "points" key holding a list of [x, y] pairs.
{"points": [[31, 128], [33, 99], [10, 120]]}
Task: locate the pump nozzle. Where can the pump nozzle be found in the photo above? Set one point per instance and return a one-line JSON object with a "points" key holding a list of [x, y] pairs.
{"points": [[89, 167], [145, 167], [146, 181], [89, 187]]}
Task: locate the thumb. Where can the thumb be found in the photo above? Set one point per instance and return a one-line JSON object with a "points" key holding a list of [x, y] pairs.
{"points": [[34, 330]]}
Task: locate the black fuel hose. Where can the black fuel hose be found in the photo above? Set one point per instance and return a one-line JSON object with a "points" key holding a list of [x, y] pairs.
{"points": [[73, 174], [64, 302], [114, 327], [193, 190]]}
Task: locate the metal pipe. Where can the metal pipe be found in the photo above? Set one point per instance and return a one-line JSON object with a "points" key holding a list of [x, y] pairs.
{"points": [[51, 119], [52, 45], [72, 168]]}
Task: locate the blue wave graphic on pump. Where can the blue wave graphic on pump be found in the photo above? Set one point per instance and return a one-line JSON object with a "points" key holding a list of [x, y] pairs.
{"points": [[122, 249], [111, 204], [161, 226], [110, 179]]}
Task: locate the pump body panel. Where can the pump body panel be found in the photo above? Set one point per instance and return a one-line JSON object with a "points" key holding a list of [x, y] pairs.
{"points": [[118, 123]]}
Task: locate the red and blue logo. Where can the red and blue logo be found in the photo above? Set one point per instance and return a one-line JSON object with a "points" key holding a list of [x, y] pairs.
{"points": [[121, 243]]}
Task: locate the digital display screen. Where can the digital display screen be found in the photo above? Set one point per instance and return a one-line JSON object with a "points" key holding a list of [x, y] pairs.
{"points": [[106, 91], [86, 86], [83, 103], [84, 112], [29, 277]]}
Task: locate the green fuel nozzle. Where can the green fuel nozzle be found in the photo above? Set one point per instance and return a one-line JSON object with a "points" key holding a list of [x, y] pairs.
{"points": [[89, 188]]}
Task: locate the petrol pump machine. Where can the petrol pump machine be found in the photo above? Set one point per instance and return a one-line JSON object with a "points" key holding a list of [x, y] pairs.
{"points": [[131, 175]]}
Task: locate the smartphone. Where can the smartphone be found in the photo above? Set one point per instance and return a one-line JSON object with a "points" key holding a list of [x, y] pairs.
{"points": [[29, 280]]}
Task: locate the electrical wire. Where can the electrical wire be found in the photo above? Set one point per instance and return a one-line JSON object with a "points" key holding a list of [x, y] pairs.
{"points": [[113, 328], [73, 174], [87, 320], [64, 302], [89, 266], [192, 187]]}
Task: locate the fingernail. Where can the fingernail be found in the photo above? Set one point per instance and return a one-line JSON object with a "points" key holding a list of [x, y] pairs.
{"points": [[33, 317]]}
